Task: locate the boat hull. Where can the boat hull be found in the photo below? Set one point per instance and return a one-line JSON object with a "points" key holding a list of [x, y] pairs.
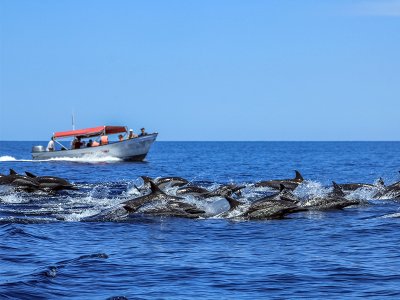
{"points": [[129, 150]]}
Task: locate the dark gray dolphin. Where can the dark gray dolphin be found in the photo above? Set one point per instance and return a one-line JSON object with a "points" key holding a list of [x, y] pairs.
{"points": [[391, 191], [124, 209], [25, 184], [20, 181], [223, 190], [177, 209], [284, 194], [166, 181], [52, 182], [156, 195], [355, 186], [191, 190], [288, 183], [270, 207], [264, 209], [174, 207], [334, 200], [6, 179]]}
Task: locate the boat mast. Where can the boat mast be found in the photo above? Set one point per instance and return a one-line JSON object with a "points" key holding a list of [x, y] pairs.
{"points": [[73, 121]]}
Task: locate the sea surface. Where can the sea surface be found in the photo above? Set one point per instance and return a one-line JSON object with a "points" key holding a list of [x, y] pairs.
{"points": [[47, 252]]}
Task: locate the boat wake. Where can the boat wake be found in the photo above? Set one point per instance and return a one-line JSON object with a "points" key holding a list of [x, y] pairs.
{"points": [[86, 159], [7, 158]]}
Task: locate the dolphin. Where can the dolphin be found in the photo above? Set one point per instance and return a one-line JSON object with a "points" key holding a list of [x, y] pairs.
{"points": [[122, 210], [19, 181], [192, 190], [354, 186], [156, 195], [174, 207], [390, 191], [166, 181], [222, 191], [284, 195], [288, 183], [177, 209], [264, 208], [334, 200], [6, 179], [52, 182]]}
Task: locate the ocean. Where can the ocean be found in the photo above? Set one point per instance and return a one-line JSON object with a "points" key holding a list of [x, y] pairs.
{"points": [[47, 252]]}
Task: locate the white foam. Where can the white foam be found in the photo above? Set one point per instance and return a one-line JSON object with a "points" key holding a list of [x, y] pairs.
{"points": [[13, 198], [364, 193], [132, 191], [85, 159], [76, 217], [7, 158], [310, 189]]}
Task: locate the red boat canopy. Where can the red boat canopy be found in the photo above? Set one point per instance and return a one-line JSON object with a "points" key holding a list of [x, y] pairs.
{"points": [[89, 132]]}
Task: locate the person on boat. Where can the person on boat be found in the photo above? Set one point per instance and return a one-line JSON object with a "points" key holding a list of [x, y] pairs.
{"points": [[95, 144], [89, 144], [50, 145], [76, 143], [120, 138], [132, 135], [104, 140], [142, 132]]}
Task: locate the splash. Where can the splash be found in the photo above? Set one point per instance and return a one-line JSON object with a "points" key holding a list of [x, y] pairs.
{"points": [[310, 189], [365, 193]]}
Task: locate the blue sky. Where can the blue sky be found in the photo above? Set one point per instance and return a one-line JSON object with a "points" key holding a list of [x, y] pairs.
{"points": [[202, 70]]}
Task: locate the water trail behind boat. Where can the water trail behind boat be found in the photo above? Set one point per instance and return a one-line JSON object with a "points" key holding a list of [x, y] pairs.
{"points": [[86, 159]]}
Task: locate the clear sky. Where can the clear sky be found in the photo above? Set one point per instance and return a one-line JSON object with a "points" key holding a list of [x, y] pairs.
{"points": [[202, 70]]}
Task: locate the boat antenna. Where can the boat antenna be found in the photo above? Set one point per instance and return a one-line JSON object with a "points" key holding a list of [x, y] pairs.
{"points": [[73, 121]]}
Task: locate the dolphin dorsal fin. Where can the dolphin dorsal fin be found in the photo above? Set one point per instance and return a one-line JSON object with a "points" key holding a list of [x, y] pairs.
{"points": [[298, 176], [337, 189], [29, 174], [12, 172], [155, 188], [146, 179], [232, 202], [281, 188]]}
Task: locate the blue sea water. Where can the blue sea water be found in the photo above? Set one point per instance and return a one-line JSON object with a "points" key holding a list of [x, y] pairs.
{"points": [[349, 253]]}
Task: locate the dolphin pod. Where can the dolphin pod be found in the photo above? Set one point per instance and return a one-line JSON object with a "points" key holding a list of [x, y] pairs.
{"points": [[178, 197], [31, 182], [275, 206]]}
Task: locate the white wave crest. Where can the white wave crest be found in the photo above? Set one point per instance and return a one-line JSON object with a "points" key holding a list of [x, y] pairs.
{"points": [[7, 158], [394, 215]]}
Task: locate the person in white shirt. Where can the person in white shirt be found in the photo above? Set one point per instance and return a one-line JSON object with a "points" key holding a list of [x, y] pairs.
{"points": [[50, 145]]}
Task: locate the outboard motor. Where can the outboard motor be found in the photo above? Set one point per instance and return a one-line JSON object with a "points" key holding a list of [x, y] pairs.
{"points": [[38, 149]]}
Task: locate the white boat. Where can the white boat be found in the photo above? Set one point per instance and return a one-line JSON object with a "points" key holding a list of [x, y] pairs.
{"points": [[134, 149]]}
